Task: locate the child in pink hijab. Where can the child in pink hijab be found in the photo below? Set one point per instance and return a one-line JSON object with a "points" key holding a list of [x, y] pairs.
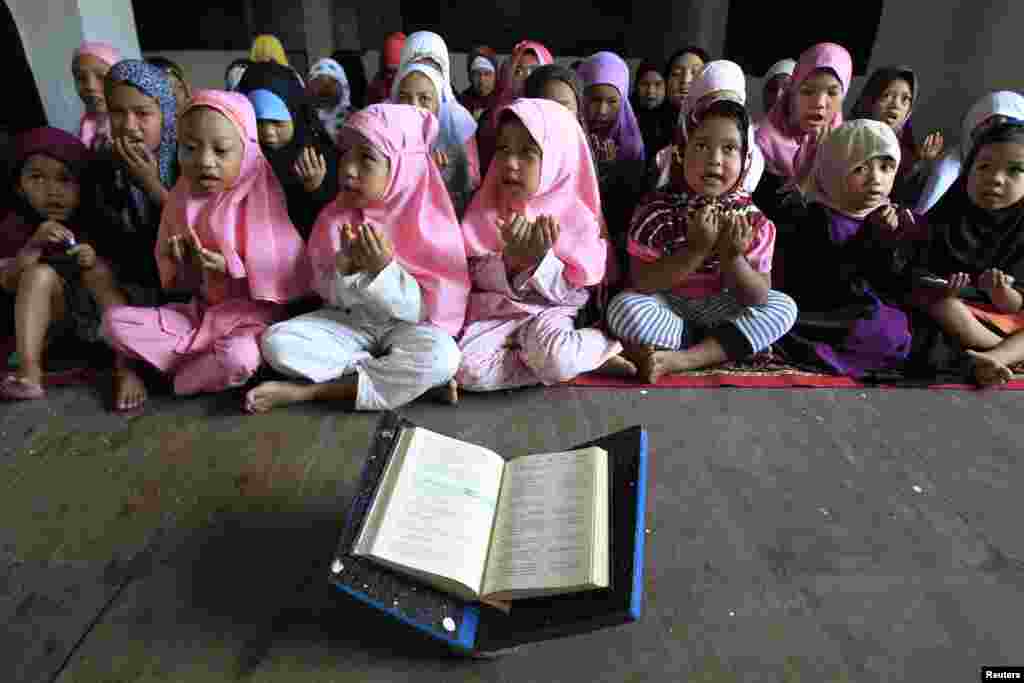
{"points": [[810, 107], [533, 237], [225, 235], [389, 260], [89, 66]]}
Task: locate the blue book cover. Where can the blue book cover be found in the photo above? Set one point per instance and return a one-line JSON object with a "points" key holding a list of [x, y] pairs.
{"points": [[476, 629]]}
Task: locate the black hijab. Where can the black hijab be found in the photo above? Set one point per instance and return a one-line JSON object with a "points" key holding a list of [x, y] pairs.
{"points": [[352, 62], [303, 206], [966, 238], [652, 121]]}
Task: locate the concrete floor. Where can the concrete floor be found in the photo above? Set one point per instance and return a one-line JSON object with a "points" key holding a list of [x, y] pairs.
{"points": [[795, 535]]}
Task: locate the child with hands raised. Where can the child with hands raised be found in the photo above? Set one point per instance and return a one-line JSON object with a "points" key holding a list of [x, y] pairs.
{"points": [[390, 264], [701, 256], [976, 235], [225, 236], [533, 237]]}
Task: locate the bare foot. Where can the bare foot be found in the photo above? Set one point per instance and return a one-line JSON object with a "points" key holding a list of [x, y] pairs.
{"points": [[987, 370], [446, 393], [656, 365], [618, 366], [269, 395], [129, 390]]}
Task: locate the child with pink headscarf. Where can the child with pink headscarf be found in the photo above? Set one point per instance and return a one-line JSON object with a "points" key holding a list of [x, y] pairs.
{"points": [[533, 236], [810, 107], [389, 260], [89, 65], [225, 235]]}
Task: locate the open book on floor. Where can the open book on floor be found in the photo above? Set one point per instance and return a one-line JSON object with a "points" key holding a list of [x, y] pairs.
{"points": [[439, 525]]}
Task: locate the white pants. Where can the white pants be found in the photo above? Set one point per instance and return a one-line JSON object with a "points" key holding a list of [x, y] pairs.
{"points": [[396, 362]]}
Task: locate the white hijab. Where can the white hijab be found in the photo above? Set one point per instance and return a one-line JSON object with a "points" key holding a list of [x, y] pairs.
{"points": [[457, 124], [333, 118], [948, 168]]}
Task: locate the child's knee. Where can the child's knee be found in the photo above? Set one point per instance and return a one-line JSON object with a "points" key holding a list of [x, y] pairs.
{"points": [[643, 319], [240, 357], [115, 322], [785, 308], [552, 354], [39, 276], [277, 345]]}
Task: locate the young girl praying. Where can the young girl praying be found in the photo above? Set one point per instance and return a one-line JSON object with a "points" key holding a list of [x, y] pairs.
{"points": [[54, 282], [424, 80], [331, 97], [225, 235], [847, 256], [702, 257], [889, 97], [89, 66], [304, 160], [990, 110], [609, 112], [811, 106], [533, 236], [976, 243], [389, 261]]}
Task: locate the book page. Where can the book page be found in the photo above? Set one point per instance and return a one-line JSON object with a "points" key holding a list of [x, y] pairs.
{"points": [[442, 509], [548, 524]]}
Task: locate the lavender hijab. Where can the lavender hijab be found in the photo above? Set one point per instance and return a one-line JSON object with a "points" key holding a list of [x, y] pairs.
{"points": [[607, 68]]}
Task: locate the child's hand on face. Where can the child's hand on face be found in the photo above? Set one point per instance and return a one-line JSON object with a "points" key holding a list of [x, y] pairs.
{"points": [[311, 167], [735, 236], [140, 162], [85, 255], [931, 148], [52, 232], [372, 251], [704, 228], [440, 158], [957, 281]]}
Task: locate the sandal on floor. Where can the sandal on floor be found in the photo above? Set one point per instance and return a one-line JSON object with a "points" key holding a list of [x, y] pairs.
{"points": [[13, 388]]}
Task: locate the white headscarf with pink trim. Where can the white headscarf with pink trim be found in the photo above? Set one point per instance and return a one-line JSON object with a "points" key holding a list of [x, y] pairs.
{"points": [[247, 223], [568, 192]]}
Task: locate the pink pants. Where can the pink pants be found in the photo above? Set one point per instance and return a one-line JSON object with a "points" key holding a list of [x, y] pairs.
{"points": [[206, 350], [545, 348]]}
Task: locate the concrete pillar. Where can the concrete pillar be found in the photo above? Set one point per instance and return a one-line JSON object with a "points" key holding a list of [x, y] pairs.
{"points": [[345, 19], [319, 31], [51, 30]]}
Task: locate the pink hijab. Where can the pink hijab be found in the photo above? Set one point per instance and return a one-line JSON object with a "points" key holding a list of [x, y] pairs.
{"points": [[92, 125], [507, 88], [788, 151], [568, 192], [247, 223], [415, 212]]}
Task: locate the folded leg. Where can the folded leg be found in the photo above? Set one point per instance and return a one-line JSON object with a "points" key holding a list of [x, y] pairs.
{"points": [[416, 358]]}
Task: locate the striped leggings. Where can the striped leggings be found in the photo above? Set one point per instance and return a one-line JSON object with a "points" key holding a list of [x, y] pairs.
{"points": [[673, 322]]}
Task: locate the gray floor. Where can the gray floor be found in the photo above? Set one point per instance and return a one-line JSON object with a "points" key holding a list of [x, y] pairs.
{"points": [[795, 535]]}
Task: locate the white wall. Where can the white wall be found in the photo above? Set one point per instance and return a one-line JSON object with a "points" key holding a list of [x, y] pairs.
{"points": [[111, 21], [51, 30]]}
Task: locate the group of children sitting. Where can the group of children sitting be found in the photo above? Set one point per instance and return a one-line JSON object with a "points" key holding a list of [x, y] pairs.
{"points": [[372, 255]]}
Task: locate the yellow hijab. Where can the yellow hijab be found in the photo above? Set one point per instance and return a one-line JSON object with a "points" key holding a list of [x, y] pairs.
{"points": [[268, 48]]}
